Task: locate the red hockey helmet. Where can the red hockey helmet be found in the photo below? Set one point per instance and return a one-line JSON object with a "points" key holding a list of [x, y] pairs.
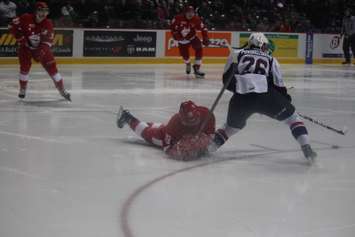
{"points": [[189, 11], [189, 8], [41, 5], [41, 10], [189, 113]]}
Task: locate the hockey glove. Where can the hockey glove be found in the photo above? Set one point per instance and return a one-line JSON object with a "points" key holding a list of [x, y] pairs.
{"points": [[206, 42], [177, 36], [190, 147]]}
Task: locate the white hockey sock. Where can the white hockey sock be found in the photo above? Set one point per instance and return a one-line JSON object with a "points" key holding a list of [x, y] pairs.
{"points": [[140, 128]]}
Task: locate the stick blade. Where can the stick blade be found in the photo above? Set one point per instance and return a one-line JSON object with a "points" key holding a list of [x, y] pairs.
{"points": [[345, 130]]}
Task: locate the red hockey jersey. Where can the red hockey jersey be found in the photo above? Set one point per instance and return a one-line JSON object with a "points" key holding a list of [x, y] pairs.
{"points": [[32, 34], [175, 129], [184, 29]]}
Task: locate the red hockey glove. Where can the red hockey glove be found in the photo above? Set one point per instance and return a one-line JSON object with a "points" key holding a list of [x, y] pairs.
{"points": [[206, 42], [190, 147], [177, 36]]}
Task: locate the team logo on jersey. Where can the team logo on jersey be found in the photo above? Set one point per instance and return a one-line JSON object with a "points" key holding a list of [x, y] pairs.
{"points": [[185, 31], [335, 42]]}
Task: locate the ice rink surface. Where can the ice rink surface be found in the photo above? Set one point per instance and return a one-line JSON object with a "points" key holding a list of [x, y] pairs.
{"points": [[67, 171]]}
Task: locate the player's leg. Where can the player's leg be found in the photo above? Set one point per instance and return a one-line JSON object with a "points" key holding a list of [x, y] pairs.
{"points": [[241, 107], [150, 132], [352, 44], [46, 58], [276, 106], [197, 46], [346, 48], [185, 54], [24, 55]]}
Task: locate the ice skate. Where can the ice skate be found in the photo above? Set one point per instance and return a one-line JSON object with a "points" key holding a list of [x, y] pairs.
{"points": [[188, 68], [123, 117], [308, 153], [217, 141], [22, 94], [65, 94], [197, 72]]}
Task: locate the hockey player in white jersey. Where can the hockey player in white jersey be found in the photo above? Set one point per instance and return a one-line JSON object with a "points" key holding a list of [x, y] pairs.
{"points": [[258, 88]]}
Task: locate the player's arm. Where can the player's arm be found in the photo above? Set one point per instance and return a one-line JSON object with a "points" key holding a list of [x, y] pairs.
{"points": [[47, 34], [202, 27], [174, 28], [230, 70], [16, 29], [277, 81]]}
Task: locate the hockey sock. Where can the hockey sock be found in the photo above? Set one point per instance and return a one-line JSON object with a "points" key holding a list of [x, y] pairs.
{"points": [[197, 67], [198, 63], [58, 81], [298, 130], [23, 81], [137, 126], [223, 134]]}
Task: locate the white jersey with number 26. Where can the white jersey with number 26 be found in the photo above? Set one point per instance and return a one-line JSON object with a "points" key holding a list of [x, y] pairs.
{"points": [[253, 69]]}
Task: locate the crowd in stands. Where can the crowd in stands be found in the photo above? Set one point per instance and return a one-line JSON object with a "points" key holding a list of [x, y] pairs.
{"points": [[238, 15]]}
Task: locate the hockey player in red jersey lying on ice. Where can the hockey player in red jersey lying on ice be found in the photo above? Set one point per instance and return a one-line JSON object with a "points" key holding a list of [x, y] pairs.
{"points": [[181, 137], [34, 35]]}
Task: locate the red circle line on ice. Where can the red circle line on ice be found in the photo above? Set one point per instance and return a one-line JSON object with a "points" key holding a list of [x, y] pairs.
{"points": [[126, 228]]}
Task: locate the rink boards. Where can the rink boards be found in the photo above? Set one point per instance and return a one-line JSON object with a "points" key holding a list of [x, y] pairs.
{"points": [[124, 46]]}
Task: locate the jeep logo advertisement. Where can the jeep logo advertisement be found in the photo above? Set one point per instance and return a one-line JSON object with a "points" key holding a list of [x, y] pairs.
{"points": [[119, 43], [62, 43]]}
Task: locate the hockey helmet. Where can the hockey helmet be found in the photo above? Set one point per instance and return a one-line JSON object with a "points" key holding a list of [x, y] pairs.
{"points": [[41, 5], [189, 11], [41, 10], [257, 40], [189, 113]]}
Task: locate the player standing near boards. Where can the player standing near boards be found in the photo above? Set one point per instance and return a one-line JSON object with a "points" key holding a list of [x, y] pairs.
{"points": [[34, 35], [348, 31], [184, 29], [258, 87]]}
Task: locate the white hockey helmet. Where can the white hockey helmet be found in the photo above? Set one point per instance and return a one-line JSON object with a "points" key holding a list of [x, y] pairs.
{"points": [[257, 39]]}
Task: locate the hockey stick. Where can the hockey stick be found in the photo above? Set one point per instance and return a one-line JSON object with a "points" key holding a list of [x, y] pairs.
{"points": [[342, 132], [219, 96]]}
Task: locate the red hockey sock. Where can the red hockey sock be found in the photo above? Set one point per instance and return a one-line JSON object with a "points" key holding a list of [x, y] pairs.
{"points": [[133, 123]]}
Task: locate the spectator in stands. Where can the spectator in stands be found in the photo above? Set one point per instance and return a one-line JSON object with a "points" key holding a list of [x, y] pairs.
{"points": [[68, 14], [7, 12], [348, 32], [285, 27], [23, 6]]}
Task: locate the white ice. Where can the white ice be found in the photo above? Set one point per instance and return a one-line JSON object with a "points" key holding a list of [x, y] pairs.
{"points": [[67, 171]]}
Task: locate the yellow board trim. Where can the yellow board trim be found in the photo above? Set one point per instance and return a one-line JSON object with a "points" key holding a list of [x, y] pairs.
{"points": [[166, 60]]}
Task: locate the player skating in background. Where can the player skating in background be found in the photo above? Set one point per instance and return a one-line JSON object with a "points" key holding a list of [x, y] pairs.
{"points": [[258, 87], [34, 35], [184, 29], [181, 137]]}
